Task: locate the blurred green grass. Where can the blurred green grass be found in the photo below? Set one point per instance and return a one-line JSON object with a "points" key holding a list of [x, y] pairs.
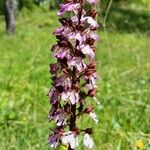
{"points": [[123, 62]]}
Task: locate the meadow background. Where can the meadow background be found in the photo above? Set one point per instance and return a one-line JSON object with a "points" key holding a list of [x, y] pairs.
{"points": [[123, 62]]}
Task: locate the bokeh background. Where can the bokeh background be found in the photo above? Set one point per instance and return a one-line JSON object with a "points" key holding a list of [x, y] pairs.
{"points": [[123, 62]]}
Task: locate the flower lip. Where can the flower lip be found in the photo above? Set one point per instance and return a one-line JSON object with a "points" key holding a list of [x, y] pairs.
{"points": [[88, 142], [70, 138], [71, 96], [93, 24], [94, 117]]}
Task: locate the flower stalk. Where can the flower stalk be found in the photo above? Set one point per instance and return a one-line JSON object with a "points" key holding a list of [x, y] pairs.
{"points": [[74, 74]]}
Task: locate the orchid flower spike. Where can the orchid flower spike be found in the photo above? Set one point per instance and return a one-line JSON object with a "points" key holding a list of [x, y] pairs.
{"points": [[74, 76]]}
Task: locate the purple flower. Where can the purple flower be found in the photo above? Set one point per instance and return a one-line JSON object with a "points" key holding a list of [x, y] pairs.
{"points": [[78, 63], [76, 36], [55, 68], [65, 30], [63, 81], [75, 20], [70, 96], [54, 140], [92, 35], [63, 52], [68, 7], [54, 96], [86, 49], [91, 81], [59, 31], [60, 117], [93, 24], [88, 142], [70, 138]]}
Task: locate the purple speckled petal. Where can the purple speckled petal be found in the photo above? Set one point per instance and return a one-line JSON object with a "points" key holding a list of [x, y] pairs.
{"points": [[68, 7]]}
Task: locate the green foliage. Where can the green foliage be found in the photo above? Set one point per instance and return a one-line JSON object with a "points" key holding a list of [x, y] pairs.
{"points": [[122, 61], [128, 19], [146, 2], [21, 3], [1, 6], [26, 3], [125, 18], [62, 147]]}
